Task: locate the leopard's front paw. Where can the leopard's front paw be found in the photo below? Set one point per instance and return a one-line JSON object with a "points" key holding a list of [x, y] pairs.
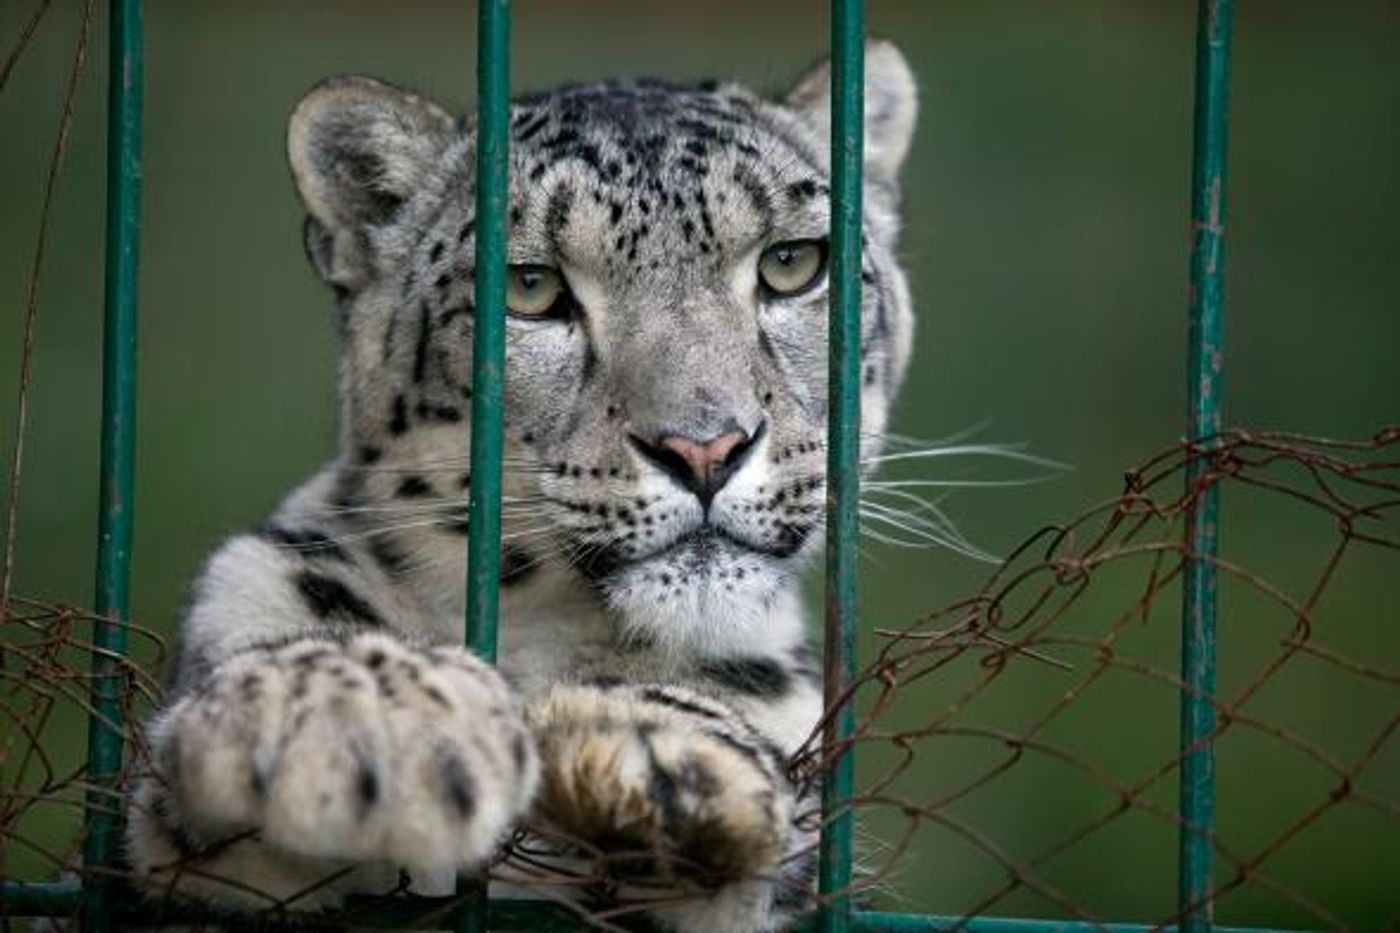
{"points": [[367, 752], [676, 778]]}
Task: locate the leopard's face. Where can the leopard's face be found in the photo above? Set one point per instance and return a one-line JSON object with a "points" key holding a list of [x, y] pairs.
{"points": [[666, 341]]}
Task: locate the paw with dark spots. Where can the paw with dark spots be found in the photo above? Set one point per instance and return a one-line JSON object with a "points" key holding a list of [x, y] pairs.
{"points": [[361, 750], [665, 772]]}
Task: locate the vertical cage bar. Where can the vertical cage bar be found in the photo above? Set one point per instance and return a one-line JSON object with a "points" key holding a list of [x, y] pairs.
{"points": [[488, 350], [843, 453], [489, 342], [1204, 369], [113, 585]]}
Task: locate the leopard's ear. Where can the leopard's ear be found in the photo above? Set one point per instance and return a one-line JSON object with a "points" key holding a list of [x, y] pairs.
{"points": [[891, 107], [359, 150]]}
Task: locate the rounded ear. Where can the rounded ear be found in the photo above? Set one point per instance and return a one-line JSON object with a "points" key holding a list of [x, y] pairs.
{"points": [[891, 107], [359, 149]]}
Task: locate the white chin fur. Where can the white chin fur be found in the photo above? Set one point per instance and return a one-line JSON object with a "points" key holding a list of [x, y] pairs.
{"points": [[686, 616]]}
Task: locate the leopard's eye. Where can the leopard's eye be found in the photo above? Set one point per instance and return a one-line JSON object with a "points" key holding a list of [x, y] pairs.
{"points": [[533, 291], [792, 267]]}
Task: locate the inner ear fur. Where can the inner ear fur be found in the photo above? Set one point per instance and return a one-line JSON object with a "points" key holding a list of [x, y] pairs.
{"points": [[891, 107], [359, 149]]}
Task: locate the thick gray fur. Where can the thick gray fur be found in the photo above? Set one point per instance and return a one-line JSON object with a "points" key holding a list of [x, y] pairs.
{"points": [[654, 668]]}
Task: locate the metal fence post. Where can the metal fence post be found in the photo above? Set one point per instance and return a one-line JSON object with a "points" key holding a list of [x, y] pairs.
{"points": [[1204, 367], [112, 601], [488, 347], [843, 452]]}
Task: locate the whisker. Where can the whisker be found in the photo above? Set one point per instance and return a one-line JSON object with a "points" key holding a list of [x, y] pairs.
{"points": [[952, 483], [943, 534], [1014, 452]]}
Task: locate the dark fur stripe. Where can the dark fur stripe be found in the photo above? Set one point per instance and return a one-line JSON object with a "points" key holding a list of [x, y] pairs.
{"points": [[757, 677], [662, 698], [766, 758], [393, 561], [305, 542], [420, 350], [328, 598]]}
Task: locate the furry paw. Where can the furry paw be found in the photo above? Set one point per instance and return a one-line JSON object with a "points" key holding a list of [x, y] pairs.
{"points": [[676, 779], [366, 752]]}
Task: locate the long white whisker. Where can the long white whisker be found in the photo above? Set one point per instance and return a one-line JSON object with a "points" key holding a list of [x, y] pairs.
{"points": [[924, 529], [951, 483], [1003, 451], [925, 515], [908, 441]]}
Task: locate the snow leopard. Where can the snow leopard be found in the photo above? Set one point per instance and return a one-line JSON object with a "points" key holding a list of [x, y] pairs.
{"points": [[665, 411]]}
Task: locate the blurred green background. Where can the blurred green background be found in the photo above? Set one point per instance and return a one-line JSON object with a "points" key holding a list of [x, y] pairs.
{"points": [[1047, 244]]}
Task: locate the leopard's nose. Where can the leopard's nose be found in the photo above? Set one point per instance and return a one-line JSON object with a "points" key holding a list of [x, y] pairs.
{"points": [[701, 466]]}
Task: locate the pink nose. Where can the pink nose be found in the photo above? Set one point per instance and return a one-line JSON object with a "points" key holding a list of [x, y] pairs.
{"points": [[703, 467], [704, 459]]}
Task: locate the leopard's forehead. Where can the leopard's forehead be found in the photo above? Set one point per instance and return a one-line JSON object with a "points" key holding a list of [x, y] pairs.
{"points": [[628, 178], [654, 119]]}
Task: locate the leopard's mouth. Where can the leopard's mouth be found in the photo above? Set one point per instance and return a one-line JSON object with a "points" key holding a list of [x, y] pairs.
{"points": [[708, 551]]}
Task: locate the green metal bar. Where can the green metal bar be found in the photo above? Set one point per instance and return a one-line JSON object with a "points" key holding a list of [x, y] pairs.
{"points": [[112, 601], [843, 453], [488, 348], [879, 922], [1197, 789], [489, 342]]}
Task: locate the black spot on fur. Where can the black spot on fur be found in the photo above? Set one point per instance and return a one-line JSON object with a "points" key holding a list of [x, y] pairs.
{"points": [[757, 677], [420, 350], [802, 190], [394, 562], [413, 487], [366, 789], [328, 598], [517, 565], [398, 421], [451, 314], [458, 786]]}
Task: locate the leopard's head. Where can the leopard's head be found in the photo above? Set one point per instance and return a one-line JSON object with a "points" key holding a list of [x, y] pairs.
{"points": [[666, 371]]}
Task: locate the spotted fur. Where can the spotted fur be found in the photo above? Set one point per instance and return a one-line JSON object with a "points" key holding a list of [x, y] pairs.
{"points": [[654, 672]]}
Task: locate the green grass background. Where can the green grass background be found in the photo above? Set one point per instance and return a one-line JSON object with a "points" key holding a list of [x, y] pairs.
{"points": [[1047, 244]]}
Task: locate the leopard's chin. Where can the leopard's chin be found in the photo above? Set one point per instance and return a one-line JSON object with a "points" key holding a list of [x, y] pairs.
{"points": [[695, 593]]}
